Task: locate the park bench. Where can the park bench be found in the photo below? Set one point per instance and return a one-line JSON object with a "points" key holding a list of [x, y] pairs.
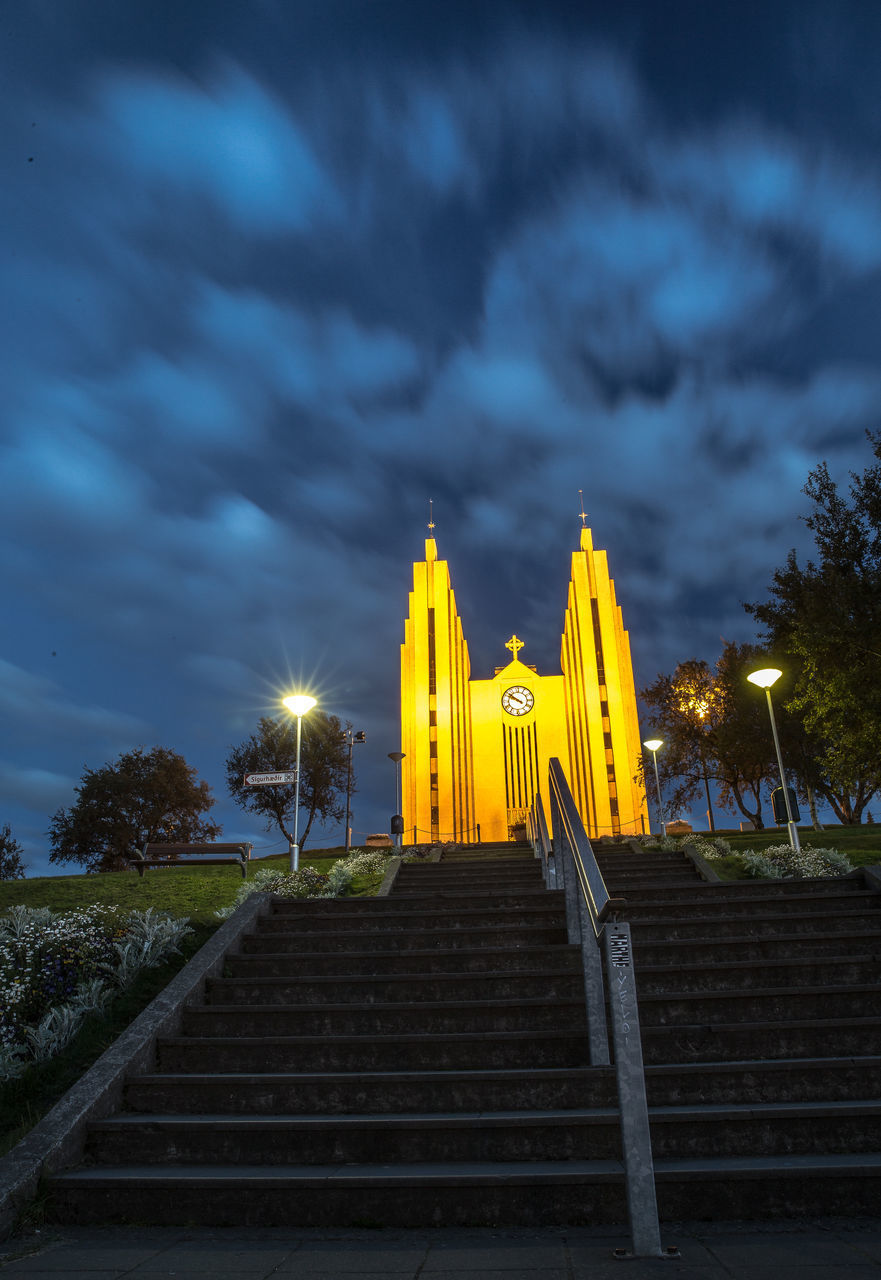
{"points": [[181, 855]]}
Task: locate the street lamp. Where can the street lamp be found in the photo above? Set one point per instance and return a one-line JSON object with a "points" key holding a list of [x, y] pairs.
{"points": [[298, 704], [396, 757], [653, 744], [764, 679], [350, 739]]}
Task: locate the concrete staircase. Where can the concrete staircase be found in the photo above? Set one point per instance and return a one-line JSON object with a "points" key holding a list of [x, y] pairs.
{"points": [[759, 1007], [407, 1060], [421, 1059]]}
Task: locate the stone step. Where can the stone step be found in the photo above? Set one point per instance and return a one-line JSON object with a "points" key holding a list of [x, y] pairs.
{"points": [[371, 1092], [706, 899], [374, 1092], [405, 905], [421, 893], [640, 883], [666, 927], [610, 856], [633, 865], [743, 975], [763, 1004], [487, 858], [726, 1130], [431, 882], [735, 1042], [379, 1092], [377, 963], [371, 990], [692, 952], [450, 882], [377, 1052], [356, 1139], [545, 909], [770, 1187], [783, 1080], [422, 940], [438, 1018], [757, 1130], [514, 1194]]}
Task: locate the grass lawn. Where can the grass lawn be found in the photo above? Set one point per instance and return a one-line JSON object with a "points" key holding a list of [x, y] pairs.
{"points": [[194, 892]]}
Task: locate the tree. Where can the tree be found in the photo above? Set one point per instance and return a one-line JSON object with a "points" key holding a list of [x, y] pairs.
{"points": [[142, 797], [824, 617], [323, 772], [714, 730], [11, 865]]}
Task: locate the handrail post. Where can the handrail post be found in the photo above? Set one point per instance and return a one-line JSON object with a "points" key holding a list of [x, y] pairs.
{"points": [[592, 919], [642, 1205]]}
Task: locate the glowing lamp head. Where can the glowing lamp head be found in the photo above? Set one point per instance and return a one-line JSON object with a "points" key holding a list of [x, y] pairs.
{"points": [[765, 678], [299, 703], [653, 743]]}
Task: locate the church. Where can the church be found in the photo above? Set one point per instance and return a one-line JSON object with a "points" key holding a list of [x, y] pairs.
{"points": [[477, 751]]}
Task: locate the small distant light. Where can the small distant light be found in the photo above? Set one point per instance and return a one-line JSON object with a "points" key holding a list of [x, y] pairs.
{"points": [[765, 678]]}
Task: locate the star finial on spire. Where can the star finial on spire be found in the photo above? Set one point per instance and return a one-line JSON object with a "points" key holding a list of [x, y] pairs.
{"points": [[583, 512], [431, 517], [514, 644]]}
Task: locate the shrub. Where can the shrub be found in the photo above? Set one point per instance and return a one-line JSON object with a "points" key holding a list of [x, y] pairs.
{"points": [[782, 862], [57, 967]]}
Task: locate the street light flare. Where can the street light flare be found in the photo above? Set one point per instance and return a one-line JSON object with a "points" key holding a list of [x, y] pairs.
{"points": [[765, 678], [299, 703]]}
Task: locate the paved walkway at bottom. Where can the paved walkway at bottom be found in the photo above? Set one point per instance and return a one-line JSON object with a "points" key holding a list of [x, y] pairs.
{"points": [[823, 1250]]}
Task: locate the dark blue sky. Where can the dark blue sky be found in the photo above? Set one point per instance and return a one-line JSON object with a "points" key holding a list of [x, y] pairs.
{"points": [[275, 273]]}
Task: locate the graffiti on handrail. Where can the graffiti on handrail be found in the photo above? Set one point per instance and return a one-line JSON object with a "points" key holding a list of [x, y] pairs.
{"points": [[621, 961]]}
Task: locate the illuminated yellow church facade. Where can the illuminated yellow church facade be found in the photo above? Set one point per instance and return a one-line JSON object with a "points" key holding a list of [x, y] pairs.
{"points": [[477, 751]]}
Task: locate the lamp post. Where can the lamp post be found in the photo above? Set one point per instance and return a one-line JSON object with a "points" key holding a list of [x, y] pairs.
{"points": [[764, 679], [351, 738], [653, 744], [396, 757], [298, 704]]}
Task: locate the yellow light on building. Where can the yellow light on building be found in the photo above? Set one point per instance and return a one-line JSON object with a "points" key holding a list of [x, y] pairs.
{"points": [[477, 750]]}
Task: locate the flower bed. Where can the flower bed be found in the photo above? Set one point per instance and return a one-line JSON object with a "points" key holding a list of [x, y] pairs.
{"points": [[309, 883], [56, 967], [776, 862]]}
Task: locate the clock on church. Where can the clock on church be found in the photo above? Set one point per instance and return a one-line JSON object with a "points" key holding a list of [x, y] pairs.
{"points": [[517, 700]]}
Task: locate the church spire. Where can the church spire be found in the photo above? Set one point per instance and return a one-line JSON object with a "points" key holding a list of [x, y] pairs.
{"points": [[583, 512], [586, 540], [430, 544]]}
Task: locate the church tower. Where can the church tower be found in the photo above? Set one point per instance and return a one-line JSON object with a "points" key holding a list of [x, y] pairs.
{"points": [[477, 751], [437, 786]]}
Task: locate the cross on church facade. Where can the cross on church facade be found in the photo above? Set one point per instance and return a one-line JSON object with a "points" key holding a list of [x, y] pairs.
{"points": [[514, 645]]}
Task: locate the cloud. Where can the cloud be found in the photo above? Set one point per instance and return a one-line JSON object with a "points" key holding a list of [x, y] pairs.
{"points": [[228, 139], [40, 790], [36, 705], [771, 182]]}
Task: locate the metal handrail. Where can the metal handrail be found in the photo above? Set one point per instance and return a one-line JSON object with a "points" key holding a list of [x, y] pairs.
{"points": [[593, 887], [593, 919], [537, 833]]}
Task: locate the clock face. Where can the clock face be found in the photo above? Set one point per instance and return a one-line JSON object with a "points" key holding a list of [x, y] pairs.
{"points": [[517, 700]]}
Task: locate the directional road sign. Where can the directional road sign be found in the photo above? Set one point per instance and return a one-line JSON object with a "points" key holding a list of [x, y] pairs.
{"points": [[270, 779]]}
